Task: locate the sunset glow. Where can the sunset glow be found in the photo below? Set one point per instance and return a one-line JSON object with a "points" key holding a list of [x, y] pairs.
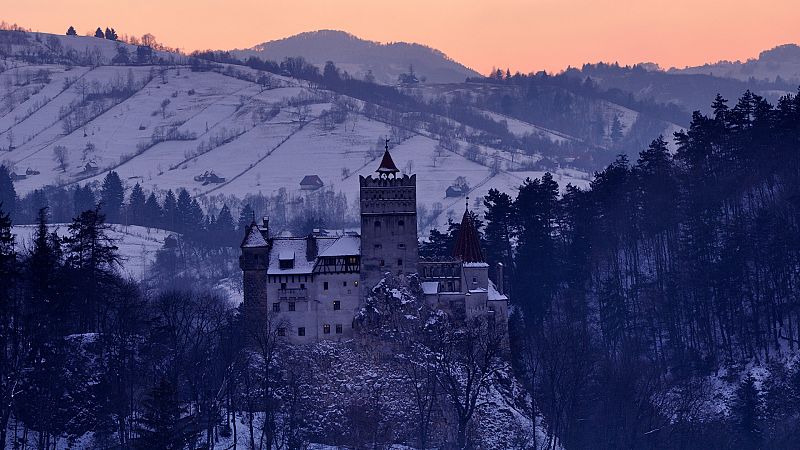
{"points": [[524, 35]]}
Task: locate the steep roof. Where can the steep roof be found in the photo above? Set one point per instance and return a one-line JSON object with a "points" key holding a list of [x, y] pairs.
{"points": [[387, 165], [312, 180], [253, 238], [468, 243]]}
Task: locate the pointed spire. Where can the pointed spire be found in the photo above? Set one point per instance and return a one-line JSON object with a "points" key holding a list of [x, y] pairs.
{"points": [[387, 164], [468, 243]]}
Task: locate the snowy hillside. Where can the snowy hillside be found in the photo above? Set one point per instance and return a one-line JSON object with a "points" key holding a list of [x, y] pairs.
{"points": [[163, 125]]}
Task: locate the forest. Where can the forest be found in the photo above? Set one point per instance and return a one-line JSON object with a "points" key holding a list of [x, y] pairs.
{"points": [[655, 309], [667, 275]]}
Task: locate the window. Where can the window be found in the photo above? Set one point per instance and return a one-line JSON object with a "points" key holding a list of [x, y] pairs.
{"points": [[301, 331], [474, 280], [325, 286], [399, 262], [378, 246], [337, 305], [338, 328], [344, 283], [377, 224], [326, 329], [281, 331], [383, 263], [283, 286], [286, 263], [355, 283], [302, 285], [401, 223], [291, 306], [276, 307], [401, 246]]}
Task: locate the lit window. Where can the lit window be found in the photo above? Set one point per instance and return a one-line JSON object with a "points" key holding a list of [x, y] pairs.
{"points": [[337, 305], [326, 329], [276, 307], [338, 328], [325, 285], [301, 331], [281, 331], [291, 306]]}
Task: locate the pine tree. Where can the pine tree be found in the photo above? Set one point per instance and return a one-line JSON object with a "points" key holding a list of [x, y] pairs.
{"points": [[170, 212], [246, 217], [746, 412], [183, 211], [98, 33], [136, 206], [535, 277], [83, 199], [500, 218], [225, 227], [71, 31], [8, 195], [110, 34], [161, 426], [91, 259], [152, 216], [112, 196]]}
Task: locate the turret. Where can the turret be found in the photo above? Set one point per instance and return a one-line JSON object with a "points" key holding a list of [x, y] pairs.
{"points": [[254, 261]]}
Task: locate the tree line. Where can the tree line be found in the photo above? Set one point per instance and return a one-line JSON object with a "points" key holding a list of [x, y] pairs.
{"points": [[635, 293]]}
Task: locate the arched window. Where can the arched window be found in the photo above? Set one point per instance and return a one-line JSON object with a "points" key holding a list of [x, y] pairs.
{"points": [[401, 223], [377, 224]]}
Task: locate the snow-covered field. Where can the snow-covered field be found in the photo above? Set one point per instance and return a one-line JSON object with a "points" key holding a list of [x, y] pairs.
{"points": [[178, 124], [137, 245]]}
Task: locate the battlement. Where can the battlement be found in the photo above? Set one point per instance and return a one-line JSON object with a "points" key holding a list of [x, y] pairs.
{"points": [[388, 195]]}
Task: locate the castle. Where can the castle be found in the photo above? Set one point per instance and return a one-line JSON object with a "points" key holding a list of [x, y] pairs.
{"points": [[312, 287]]}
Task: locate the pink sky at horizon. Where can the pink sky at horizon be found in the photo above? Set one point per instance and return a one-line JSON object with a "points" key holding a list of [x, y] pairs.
{"points": [[524, 35]]}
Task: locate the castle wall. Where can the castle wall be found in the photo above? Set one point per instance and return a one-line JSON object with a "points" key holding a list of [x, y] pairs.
{"points": [[388, 227]]}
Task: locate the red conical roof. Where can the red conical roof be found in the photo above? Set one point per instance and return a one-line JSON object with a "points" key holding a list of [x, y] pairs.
{"points": [[387, 165], [468, 243]]}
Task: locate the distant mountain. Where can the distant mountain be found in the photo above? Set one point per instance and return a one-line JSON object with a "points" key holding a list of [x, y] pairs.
{"points": [[782, 61], [358, 56]]}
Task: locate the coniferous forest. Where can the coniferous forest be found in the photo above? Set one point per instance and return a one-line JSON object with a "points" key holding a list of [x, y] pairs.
{"points": [[641, 306], [669, 273]]}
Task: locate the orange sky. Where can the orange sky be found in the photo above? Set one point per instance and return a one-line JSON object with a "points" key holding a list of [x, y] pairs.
{"points": [[523, 35]]}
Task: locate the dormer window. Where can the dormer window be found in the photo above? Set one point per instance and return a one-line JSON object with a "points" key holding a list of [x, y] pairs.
{"points": [[286, 260]]}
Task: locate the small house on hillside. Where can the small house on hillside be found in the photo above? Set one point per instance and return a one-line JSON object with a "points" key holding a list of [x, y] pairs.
{"points": [[456, 191], [311, 183], [17, 177], [209, 178], [90, 167]]}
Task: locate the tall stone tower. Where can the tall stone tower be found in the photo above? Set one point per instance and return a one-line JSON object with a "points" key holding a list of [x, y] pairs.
{"points": [[254, 261], [388, 223]]}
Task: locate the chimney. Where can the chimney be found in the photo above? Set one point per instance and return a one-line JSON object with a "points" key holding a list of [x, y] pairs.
{"points": [[311, 247], [499, 275]]}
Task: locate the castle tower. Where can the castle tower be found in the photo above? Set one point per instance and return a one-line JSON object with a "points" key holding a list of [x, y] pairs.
{"points": [[388, 223], [254, 261]]}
